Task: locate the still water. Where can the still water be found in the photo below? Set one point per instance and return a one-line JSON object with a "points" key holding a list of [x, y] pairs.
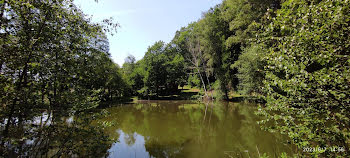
{"points": [[189, 129]]}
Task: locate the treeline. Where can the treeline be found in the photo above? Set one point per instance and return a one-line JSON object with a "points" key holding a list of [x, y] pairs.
{"points": [[160, 72], [295, 54], [52, 58], [214, 53]]}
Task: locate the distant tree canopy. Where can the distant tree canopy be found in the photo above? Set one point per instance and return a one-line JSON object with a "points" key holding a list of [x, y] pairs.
{"points": [[160, 72]]}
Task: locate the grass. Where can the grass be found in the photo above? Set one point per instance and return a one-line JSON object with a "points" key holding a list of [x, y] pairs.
{"points": [[193, 93], [184, 93], [233, 94], [188, 88]]}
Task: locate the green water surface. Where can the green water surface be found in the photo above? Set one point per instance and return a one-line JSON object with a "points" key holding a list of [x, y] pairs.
{"points": [[189, 129]]}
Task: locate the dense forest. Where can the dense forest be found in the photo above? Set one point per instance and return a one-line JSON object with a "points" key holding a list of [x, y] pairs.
{"points": [[292, 54]]}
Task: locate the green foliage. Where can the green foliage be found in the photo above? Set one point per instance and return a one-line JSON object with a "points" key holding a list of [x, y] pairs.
{"points": [[155, 60], [194, 81], [250, 70], [52, 58], [133, 74], [218, 94], [242, 16], [296, 54], [219, 38], [160, 72], [307, 74], [213, 31]]}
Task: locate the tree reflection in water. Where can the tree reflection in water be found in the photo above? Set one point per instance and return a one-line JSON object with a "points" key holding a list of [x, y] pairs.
{"points": [[56, 135], [190, 129], [147, 129]]}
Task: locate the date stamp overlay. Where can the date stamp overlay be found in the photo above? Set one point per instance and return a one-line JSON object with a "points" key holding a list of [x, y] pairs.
{"points": [[324, 149]]}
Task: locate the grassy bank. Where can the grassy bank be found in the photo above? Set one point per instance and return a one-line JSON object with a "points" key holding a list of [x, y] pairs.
{"points": [[194, 93]]}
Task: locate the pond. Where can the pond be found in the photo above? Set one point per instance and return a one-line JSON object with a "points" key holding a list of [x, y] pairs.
{"points": [[145, 129], [189, 129]]}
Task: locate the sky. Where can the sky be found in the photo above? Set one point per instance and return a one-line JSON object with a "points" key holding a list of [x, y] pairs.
{"points": [[143, 22]]}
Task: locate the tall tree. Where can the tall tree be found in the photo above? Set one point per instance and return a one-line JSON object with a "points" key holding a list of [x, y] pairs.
{"points": [[307, 74], [213, 31], [51, 58]]}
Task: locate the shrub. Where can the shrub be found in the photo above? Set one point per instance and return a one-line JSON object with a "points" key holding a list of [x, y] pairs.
{"points": [[308, 74]]}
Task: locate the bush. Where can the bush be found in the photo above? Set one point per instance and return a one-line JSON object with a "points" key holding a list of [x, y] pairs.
{"points": [[194, 81], [308, 74], [250, 70], [218, 93]]}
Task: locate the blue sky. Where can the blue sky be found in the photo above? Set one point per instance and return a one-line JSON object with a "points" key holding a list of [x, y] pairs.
{"points": [[144, 22]]}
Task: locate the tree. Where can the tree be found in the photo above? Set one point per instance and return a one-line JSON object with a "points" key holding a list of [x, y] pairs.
{"points": [[237, 19], [250, 67], [213, 31], [128, 69], [197, 61], [180, 43], [155, 73], [51, 58], [160, 72], [307, 74]]}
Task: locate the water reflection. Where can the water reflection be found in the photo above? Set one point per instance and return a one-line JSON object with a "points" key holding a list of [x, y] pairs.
{"points": [[188, 129], [129, 146], [53, 134], [146, 129]]}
